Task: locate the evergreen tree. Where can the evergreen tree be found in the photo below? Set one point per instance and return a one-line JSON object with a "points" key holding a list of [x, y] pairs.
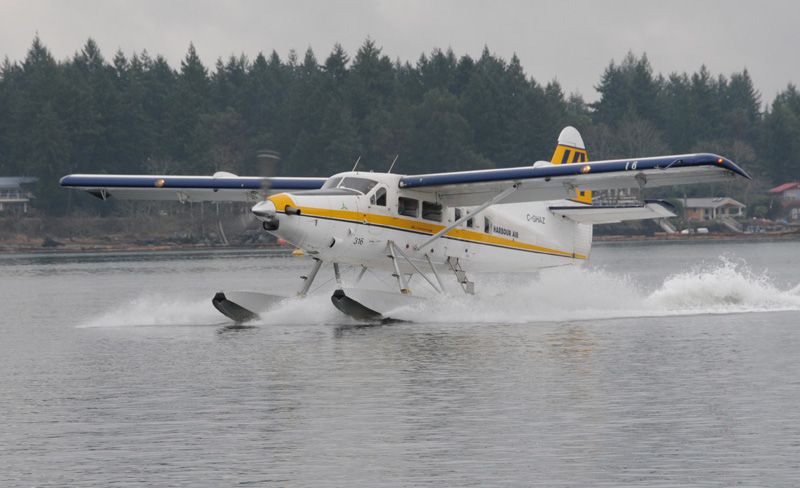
{"points": [[10, 77], [629, 89], [438, 71], [132, 131], [95, 113], [188, 103], [441, 139], [679, 134], [136, 114], [264, 96], [742, 108], [480, 105], [781, 143], [342, 144], [228, 84], [408, 83], [463, 73], [226, 142], [304, 109], [704, 110], [371, 80], [335, 69], [41, 140]]}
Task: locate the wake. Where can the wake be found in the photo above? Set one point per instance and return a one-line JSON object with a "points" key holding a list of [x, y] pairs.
{"points": [[561, 294], [159, 311], [156, 310], [568, 294]]}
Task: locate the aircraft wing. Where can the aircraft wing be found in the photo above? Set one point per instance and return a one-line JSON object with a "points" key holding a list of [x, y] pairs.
{"points": [[546, 181], [223, 187], [611, 214]]}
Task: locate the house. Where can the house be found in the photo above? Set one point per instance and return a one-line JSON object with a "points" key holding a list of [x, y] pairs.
{"points": [[712, 208], [787, 192], [788, 196], [14, 198]]}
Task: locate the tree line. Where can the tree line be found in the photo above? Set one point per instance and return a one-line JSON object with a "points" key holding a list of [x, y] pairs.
{"points": [[138, 114]]}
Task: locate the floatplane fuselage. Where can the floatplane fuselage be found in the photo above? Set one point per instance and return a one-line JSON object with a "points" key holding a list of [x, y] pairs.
{"points": [[437, 226], [356, 218]]}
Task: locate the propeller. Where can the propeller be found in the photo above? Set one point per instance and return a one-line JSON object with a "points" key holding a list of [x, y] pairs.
{"points": [[243, 226]]}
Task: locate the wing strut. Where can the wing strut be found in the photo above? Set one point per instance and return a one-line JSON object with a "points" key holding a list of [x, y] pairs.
{"points": [[475, 211]]}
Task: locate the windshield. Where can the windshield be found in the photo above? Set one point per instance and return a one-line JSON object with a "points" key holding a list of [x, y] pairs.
{"points": [[331, 183], [363, 185]]}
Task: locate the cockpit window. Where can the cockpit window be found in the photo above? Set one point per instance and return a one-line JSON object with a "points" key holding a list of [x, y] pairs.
{"points": [[364, 185], [331, 183], [379, 198]]}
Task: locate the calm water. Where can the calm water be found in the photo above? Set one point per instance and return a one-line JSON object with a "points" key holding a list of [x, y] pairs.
{"points": [[659, 364]]}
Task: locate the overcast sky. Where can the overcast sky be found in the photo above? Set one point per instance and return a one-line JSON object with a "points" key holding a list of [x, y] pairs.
{"points": [[571, 41]]}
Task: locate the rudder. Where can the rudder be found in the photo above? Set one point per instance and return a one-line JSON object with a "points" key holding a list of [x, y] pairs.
{"points": [[570, 150]]}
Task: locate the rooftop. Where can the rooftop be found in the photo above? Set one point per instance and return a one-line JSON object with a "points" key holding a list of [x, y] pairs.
{"points": [[15, 181], [710, 202], [784, 187]]}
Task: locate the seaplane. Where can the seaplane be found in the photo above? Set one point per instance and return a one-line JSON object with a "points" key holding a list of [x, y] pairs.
{"points": [[441, 229]]}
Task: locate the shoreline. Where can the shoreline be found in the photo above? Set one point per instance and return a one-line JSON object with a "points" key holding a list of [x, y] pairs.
{"points": [[133, 246], [700, 237], [78, 247]]}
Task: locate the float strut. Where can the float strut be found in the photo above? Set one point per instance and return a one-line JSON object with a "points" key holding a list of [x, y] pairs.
{"points": [[360, 275], [397, 250], [310, 278], [338, 275], [401, 279], [438, 278]]}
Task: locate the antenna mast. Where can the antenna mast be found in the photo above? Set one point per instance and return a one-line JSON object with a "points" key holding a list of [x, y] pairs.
{"points": [[392, 166]]}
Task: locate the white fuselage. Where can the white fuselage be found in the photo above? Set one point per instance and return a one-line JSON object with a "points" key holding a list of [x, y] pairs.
{"points": [[352, 219]]}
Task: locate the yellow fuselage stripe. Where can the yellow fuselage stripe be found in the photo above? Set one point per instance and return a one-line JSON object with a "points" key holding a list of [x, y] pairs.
{"points": [[397, 223], [413, 225]]}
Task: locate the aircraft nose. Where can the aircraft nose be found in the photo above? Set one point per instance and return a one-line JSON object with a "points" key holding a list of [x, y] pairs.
{"points": [[265, 212]]}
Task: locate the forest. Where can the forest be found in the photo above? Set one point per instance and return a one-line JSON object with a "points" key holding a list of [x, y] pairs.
{"points": [[316, 117]]}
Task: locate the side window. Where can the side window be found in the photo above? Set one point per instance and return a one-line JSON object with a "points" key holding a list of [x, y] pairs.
{"points": [[380, 197], [487, 225], [470, 222], [432, 211], [458, 213], [407, 206]]}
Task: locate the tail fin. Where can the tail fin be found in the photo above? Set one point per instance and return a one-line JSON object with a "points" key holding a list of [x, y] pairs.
{"points": [[570, 149]]}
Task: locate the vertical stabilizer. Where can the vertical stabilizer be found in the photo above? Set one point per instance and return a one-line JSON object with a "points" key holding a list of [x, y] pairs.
{"points": [[570, 150]]}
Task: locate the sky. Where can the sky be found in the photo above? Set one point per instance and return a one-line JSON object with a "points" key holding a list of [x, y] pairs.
{"points": [[571, 41]]}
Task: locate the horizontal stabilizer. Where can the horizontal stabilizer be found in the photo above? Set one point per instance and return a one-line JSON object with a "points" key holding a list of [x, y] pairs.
{"points": [[611, 214]]}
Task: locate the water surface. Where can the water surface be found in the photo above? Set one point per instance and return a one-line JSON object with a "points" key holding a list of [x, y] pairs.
{"points": [[659, 364]]}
